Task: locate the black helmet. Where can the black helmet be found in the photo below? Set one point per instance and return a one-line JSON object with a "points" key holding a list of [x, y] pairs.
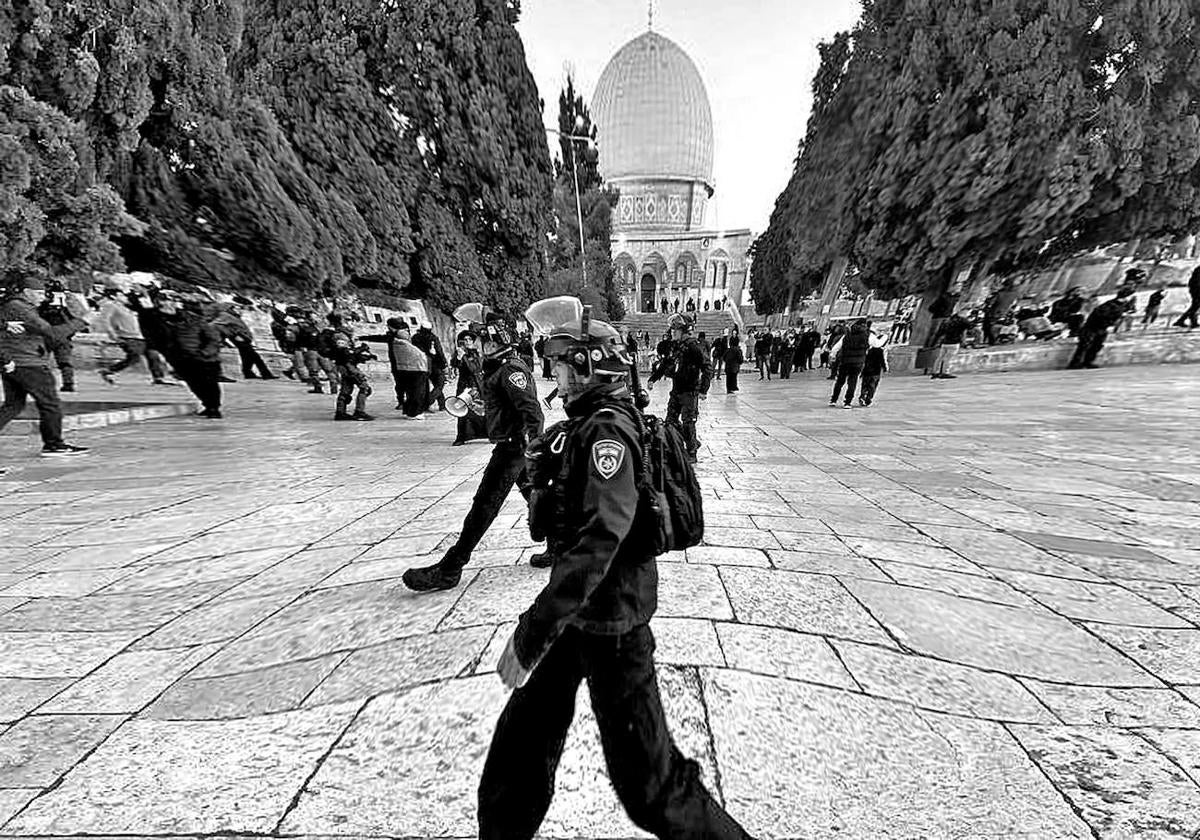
{"points": [[680, 321], [591, 347]]}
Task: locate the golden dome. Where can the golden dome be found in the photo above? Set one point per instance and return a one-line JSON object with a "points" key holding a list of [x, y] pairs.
{"points": [[652, 114]]}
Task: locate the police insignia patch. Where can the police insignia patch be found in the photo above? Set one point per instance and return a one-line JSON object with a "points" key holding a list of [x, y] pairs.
{"points": [[608, 456], [519, 380]]}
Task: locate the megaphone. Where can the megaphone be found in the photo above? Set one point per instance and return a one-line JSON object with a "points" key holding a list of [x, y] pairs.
{"points": [[460, 407]]}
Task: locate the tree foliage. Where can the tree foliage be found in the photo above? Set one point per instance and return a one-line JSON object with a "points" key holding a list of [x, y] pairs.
{"points": [[955, 133], [283, 146]]}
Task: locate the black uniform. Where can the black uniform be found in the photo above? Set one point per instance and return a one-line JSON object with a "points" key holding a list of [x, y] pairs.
{"points": [[1095, 330], [514, 417], [347, 355], [591, 622], [689, 368], [64, 350]]}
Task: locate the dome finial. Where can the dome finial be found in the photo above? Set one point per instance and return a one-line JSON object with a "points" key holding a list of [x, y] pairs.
{"points": [[650, 25]]}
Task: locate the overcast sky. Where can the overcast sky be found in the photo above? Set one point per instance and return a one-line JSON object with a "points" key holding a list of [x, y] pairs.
{"points": [[757, 58]]}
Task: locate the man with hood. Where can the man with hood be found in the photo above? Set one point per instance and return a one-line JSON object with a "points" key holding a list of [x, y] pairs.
{"points": [[1095, 329], [851, 356]]}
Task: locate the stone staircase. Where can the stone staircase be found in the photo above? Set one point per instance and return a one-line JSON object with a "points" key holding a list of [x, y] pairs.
{"points": [[655, 323]]}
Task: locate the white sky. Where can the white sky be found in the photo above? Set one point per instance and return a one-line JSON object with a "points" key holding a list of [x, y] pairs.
{"points": [[757, 58]]}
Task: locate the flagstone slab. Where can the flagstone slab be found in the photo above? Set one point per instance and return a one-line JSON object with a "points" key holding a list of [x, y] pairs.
{"points": [[1172, 655], [1125, 707], [13, 800], [302, 570], [276, 688], [782, 653], [795, 601], [1077, 545], [996, 550], [141, 610], [18, 697], [815, 543], [1013, 640], [1120, 784], [1101, 602], [846, 777], [1180, 745], [128, 681], [180, 777], [35, 751], [941, 686], [197, 571], [913, 553], [41, 654], [63, 584], [1161, 571], [838, 565], [686, 641], [691, 591], [394, 666], [728, 556], [496, 595], [974, 586], [329, 621], [218, 620]]}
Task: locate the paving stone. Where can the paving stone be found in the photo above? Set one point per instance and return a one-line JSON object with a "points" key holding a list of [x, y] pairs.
{"points": [[329, 621], [96, 557], [18, 697], [234, 776], [1120, 784], [302, 570], [792, 601], [912, 553], [791, 524], [727, 556], [219, 620], [941, 686], [740, 537], [13, 800], [839, 565], [955, 583], [496, 596], [108, 612], [35, 751], [1075, 545], [1001, 551], [127, 682], [40, 654], [276, 688], [686, 641], [393, 666], [1162, 571], [1180, 745], [691, 591], [782, 653], [1172, 655], [222, 543], [1100, 602], [66, 584], [958, 777], [1025, 642], [813, 543], [1124, 707]]}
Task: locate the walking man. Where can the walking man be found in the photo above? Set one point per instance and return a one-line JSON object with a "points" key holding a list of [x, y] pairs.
{"points": [[1191, 318], [851, 356], [25, 341], [514, 418], [194, 350], [348, 354], [54, 312], [689, 368], [591, 622], [121, 324], [1095, 329], [428, 341], [237, 332]]}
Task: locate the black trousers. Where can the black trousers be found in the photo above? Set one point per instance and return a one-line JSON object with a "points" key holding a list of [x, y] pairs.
{"points": [[504, 470], [36, 382], [731, 376], [847, 376], [204, 380], [1191, 318], [437, 381], [1091, 342], [412, 391], [683, 409], [64, 358], [870, 383], [660, 789], [251, 360]]}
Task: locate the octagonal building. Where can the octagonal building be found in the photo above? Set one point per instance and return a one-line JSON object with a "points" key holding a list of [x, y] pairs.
{"points": [[655, 133]]}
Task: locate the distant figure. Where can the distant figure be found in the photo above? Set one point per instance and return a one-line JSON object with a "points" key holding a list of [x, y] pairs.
{"points": [[732, 361], [1152, 306], [1189, 319]]}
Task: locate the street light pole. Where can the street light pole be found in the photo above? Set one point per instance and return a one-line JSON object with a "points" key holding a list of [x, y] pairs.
{"points": [[578, 205]]}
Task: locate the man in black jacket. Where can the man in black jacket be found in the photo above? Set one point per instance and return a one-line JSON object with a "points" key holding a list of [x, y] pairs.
{"points": [[850, 360], [689, 368], [1191, 318], [591, 621], [194, 350], [514, 418], [1095, 329], [427, 340]]}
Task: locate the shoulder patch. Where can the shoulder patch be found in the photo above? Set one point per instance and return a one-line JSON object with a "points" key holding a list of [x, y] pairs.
{"points": [[608, 456], [519, 379]]}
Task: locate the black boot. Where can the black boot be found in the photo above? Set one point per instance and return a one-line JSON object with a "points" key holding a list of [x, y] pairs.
{"points": [[542, 560], [431, 579]]}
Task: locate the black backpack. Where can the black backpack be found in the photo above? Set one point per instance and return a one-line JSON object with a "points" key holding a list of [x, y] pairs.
{"points": [[671, 498]]}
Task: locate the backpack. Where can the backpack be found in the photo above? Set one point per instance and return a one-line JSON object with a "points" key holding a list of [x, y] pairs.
{"points": [[670, 504]]}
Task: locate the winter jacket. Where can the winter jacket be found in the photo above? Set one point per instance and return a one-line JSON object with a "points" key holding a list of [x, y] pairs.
{"points": [[232, 327], [118, 321], [31, 348], [407, 356], [193, 339], [733, 357], [429, 343], [687, 366], [510, 399], [854, 348], [876, 362]]}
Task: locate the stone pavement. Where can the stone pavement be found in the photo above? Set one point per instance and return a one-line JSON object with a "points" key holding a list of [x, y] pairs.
{"points": [[972, 610]]}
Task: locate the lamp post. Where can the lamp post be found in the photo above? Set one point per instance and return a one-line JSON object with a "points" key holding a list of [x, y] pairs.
{"points": [[575, 174]]}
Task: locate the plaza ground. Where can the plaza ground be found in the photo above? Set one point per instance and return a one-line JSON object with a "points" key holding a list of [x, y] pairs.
{"points": [[971, 610]]}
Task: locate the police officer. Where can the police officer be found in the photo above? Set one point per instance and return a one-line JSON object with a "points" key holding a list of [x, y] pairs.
{"points": [[1095, 329], [690, 370], [54, 312], [591, 621], [514, 417], [348, 354]]}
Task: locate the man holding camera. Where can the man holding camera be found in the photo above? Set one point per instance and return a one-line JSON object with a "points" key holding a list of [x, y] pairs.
{"points": [[26, 340], [348, 354]]}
